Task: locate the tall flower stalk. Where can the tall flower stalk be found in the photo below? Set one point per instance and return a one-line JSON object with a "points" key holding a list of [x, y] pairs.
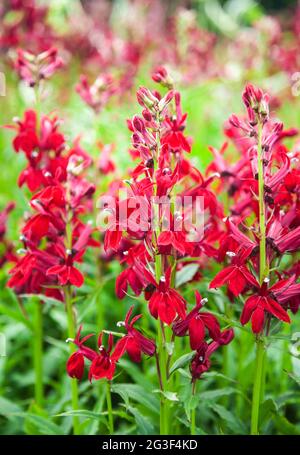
{"points": [[54, 236], [33, 69], [261, 227], [158, 235], [258, 383]]}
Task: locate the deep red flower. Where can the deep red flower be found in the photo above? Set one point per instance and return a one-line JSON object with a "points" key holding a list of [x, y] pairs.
{"points": [[135, 343], [65, 272], [236, 276], [75, 363], [257, 305], [195, 324], [166, 303], [201, 361], [129, 275], [104, 363]]}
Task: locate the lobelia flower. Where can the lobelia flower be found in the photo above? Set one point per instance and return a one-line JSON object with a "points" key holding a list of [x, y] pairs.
{"points": [[236, 275], [201, 361], [104, 363], [173, 136], [99, 93], [33, 68], [129, 275], [165, 302], [265, 302], [135, 343], [65, 271], [195, 324], [75, 363]]}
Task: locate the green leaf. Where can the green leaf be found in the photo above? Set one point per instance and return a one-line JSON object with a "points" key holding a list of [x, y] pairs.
{"points": [[212, 395], [294, 377], [8, 408], [284, 426], [16, 315], [267, 409], [171, 396], [144, 426], [43, 425], [229, 419], [136, 393], [186, 274], [182, 361], [81, 413]]}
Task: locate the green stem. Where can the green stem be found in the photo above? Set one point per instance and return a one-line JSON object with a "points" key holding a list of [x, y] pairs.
{"points": [[71, 334], [262, 209], [193, 421], [257, 387], [259, 378], [193, 411], [38, 354], [109, 408]]}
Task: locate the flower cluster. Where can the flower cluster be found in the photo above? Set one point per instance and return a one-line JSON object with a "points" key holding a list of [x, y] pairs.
{"points": [[160, 235], [54, 236], [104, 360], [34, 68], [264, 222]]}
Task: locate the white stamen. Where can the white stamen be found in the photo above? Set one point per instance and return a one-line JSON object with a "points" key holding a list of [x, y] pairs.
{"points": [[163, 279], [101, 348], [125, 253], [68, 340], [90, 222], [204, 301], [120, 324], [231, 254], [69, 252], [16, 119], [201, 358], [48, 174], [34, 154], [266, 280], [22, 238]]}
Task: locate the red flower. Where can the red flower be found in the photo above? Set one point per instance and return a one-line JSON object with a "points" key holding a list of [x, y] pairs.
{"points": [[104, 363], [129, 276], [32, 68], [75, 363], [195, 324], [166, 303], [201, 361], [265, 302], [174, 136], [236, 276], [65, 272], [134, 342]]}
